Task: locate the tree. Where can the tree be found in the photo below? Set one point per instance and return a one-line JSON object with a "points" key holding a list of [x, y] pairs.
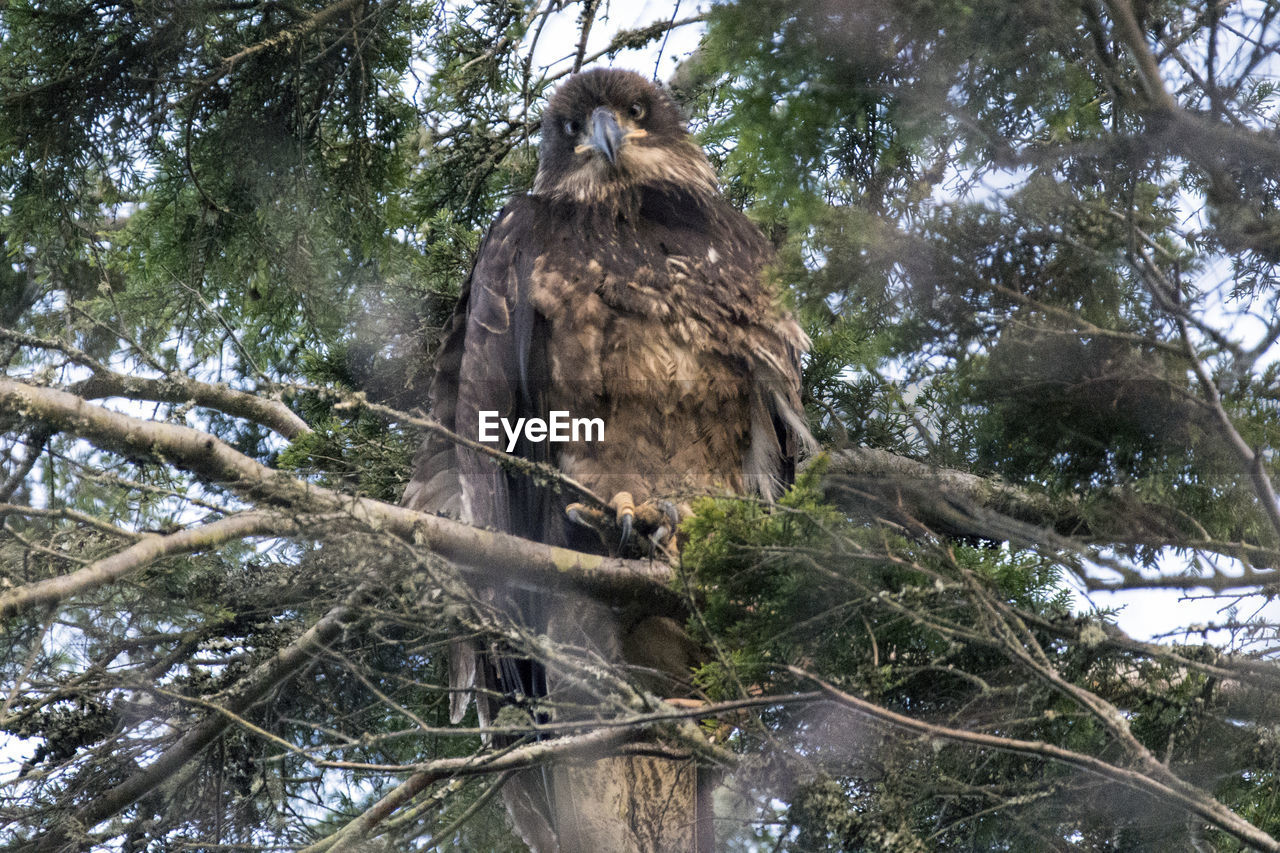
{"points": [[1034, 244]]}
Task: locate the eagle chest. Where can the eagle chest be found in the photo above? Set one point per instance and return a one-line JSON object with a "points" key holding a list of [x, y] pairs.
{"points": [[636, 346]]}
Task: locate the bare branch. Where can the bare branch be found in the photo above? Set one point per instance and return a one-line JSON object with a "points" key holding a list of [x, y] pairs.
{"points": [[946, 501], [592, 745], [141, 554], [264, 678], [1254, 464], [173, 388], [1183, 795], [629, 39], [537, 471], [67, 515]]}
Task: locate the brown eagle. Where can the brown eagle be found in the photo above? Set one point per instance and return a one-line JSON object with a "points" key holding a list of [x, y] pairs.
{"points": [[623, 288]]}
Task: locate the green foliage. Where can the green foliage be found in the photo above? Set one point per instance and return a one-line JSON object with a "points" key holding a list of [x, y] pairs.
{"points": [[984, 226], [961, 202], [916, 628]]}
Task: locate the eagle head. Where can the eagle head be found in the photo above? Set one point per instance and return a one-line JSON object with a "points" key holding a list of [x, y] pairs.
{"points": [[607, 132]]}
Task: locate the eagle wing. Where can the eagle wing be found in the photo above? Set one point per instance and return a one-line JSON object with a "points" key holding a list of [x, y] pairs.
{"points": [[493, 359]]}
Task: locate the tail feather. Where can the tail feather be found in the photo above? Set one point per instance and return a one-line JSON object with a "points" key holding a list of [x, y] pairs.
{"points": [[462, 677]]}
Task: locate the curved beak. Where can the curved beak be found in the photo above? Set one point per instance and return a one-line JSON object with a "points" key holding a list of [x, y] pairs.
{"points": [[607, 136]]}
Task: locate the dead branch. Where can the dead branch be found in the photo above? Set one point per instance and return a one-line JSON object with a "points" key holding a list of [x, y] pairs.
{"points": [[147, 550], [264, 678], [592, 745]]}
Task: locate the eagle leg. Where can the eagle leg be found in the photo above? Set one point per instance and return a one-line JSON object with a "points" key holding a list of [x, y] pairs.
{"points": [[656, 520], [625, 508], [622, 524]]}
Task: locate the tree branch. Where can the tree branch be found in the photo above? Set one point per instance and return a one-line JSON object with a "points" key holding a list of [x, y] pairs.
{"points": [[280, 39], [866, 481], [173, 388], [1209, 809], [144, 552], [485, 552], [1136, 40], [265, 677], [858, 480], [539, 472], [592, 745], [35, 444]]}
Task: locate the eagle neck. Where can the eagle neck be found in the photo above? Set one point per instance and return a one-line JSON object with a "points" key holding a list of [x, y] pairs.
{"points": [[632, 204]]}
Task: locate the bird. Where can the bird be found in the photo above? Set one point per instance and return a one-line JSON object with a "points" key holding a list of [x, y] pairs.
{"points": [[623, 289]]}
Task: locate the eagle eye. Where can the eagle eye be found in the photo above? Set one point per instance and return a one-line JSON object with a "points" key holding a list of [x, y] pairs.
{"points": [[636, 111], [571, 127]]}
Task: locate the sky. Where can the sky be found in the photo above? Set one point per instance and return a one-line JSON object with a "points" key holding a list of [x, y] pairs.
{"points": [[559, 42]]}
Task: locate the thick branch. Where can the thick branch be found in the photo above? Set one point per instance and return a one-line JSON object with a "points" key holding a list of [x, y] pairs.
{"points": [[860, 480], [870, 482], [479, 551]]}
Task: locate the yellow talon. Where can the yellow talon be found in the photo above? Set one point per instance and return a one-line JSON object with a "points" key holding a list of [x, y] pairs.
{"points": [[623, 504]]}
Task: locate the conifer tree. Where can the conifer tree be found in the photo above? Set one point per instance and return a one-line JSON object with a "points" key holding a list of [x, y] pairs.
{"points": [[1036, 248]]}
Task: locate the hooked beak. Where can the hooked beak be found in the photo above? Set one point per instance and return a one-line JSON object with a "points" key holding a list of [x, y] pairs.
{"points": [[607, 136]]}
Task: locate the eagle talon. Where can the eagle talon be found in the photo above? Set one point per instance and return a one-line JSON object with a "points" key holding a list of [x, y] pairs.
{"points": [[654, 521], [662, 534], [588, 516], [625, 508], [662, 519], [621, 524]]}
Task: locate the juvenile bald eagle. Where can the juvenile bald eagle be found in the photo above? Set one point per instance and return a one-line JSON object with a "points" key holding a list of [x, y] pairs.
{"points": [[624, 288]]}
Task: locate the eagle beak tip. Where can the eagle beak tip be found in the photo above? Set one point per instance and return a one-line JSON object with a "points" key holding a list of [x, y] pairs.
{"points": [[607, 136]]}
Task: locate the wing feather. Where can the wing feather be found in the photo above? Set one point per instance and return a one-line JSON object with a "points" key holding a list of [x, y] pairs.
{"points": [[504, 368], [489, 361]]}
